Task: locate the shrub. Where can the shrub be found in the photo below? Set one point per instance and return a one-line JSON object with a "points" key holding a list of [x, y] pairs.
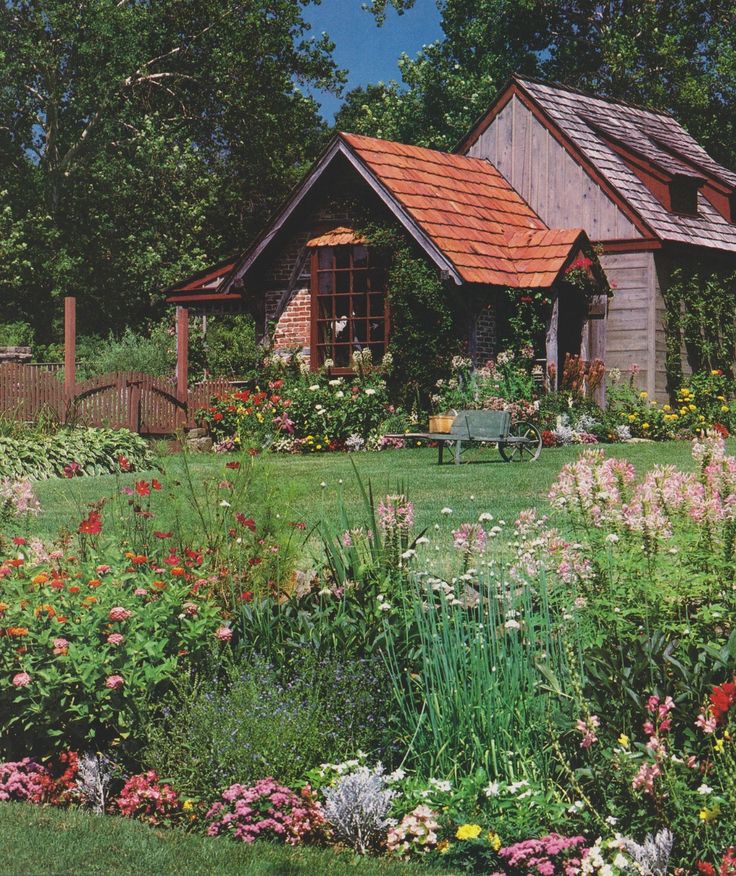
{"points": [[266, 810], [87, 646], [146, 798], [357, 808], [22, 780], [71, 453], [256, 719]]}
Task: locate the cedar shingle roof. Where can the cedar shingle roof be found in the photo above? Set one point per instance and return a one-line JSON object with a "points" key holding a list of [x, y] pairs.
{"points": [[471, 214], [591, 123]]}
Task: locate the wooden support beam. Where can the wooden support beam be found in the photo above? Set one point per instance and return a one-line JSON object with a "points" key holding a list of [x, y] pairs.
{"points": [[182, 357], [70, 347]]}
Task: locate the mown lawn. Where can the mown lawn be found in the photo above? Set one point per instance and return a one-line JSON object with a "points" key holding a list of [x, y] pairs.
{"points": [[38, 841], [485, 484]]}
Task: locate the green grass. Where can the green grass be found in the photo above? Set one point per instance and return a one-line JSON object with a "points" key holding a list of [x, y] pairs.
{"points": [[485, 484], [38, 841]]}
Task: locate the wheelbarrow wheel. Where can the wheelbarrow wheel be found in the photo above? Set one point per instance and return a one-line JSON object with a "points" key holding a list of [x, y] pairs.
{"points": [[526, 446]]}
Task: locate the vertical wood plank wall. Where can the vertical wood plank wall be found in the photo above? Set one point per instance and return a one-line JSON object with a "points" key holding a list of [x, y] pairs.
{"points": [[632, 318], [547, 176]]}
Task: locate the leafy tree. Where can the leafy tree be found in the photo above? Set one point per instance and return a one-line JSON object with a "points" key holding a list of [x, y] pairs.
{"points": [[140, 141], [678, 56]]}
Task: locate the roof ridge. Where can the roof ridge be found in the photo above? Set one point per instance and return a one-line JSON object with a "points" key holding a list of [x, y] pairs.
{"points": [[561, 86], [453, 155]]}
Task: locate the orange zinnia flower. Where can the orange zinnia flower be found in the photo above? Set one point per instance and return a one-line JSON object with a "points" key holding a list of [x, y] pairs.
{"points": [[18, 632], [42, 578], [89, 600], [49, 609]]}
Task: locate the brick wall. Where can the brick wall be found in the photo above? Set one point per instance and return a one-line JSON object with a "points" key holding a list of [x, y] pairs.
{"points": [[293, 321], [485, 335]]}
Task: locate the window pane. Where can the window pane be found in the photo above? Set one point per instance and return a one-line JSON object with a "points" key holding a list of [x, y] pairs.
{"points": [[360, 281], [377, 330], [360, 332], [342, 256], [377, 350], [360, 257], [325, 308], [324, 257], [325, 283], [342, 281], [376, 303], [360, 305], [324, 332], [341, 356]]}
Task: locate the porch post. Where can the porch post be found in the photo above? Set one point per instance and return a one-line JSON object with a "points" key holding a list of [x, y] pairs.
{"points": [[551, 343], [182, 353], [70, 347]]}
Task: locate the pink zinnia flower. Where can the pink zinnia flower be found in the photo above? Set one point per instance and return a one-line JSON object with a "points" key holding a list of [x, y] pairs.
{"points": [[190, 609], [224, 634], [140, 591], [118, 613], [61, 646], [114, 682], [21, 679], [115, 639]]}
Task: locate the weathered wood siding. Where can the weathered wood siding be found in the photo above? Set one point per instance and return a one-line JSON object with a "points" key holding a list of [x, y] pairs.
{"points": [[635, 326], [547, 176]]}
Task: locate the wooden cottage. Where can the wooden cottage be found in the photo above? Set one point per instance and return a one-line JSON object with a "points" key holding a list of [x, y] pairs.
{"points": [[544, 173]]}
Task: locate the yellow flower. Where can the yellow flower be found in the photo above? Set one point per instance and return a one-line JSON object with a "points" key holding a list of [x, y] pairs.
{"points": [[643, 394], [319, 447], [718, 745], [721, 398], [443, 847], [692, 407], [645, 425], [187, 806], [724, 409], [666, 408], [494, 841], [711, 814], [683, 411], [623, 740], [468, 831], [632, 417]]}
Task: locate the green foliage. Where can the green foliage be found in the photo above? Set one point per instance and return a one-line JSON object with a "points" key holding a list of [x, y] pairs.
{"points": [[231, 347], [423, 336], [256, 721], [507, 380], [88, 451], [125, 161], [16, 334], [68, 698], [154, 354], [701, 317]]}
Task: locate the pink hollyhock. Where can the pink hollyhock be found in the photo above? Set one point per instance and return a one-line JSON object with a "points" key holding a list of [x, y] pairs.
{"points": [[114, 682]]}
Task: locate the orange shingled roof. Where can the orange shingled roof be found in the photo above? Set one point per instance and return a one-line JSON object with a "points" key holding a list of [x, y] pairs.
{"points": [[337, 237], [470, 212]]}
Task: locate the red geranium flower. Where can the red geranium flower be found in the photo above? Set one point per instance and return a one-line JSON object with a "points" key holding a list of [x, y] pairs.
{"points": [[722, 698]]}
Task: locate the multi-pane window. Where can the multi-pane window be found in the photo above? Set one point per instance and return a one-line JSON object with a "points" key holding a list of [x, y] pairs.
{"points": [[348, 306]]}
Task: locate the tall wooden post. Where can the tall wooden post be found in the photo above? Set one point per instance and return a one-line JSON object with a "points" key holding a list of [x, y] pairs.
{"points": [[182, 359], [70, 347]]}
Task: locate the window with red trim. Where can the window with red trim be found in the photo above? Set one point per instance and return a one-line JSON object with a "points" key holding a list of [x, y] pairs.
{"points": [[348, 306]]}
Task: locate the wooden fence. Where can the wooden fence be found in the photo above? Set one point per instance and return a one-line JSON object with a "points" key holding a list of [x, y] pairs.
{"points": [[131, 400]]}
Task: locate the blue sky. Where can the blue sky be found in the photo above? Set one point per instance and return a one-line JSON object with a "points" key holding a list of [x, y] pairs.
{"points": [[367, 52]]}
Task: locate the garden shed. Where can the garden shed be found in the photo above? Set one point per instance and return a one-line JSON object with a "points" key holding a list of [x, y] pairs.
{"points": [[547, 172]]}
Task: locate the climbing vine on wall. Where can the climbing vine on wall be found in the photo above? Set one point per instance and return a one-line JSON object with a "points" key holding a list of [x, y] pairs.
{"points": [[701, 316], [423, 337]]}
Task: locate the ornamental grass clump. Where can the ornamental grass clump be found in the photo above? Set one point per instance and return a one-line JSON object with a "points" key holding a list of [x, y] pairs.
{"points": [[357, 809], [266, 810]]}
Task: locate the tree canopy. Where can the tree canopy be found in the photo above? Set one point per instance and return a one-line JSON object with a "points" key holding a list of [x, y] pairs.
{"points": [[678, 56], [141, 141]]}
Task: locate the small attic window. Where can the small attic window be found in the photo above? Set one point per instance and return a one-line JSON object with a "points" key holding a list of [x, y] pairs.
{"points": [[684, 196]]}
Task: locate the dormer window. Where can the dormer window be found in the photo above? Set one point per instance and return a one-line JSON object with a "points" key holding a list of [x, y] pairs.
{"points": [[684, 195]]}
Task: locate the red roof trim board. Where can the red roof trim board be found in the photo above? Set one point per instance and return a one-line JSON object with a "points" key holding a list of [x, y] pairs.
{"points": [[191, 298], [209, 278]]}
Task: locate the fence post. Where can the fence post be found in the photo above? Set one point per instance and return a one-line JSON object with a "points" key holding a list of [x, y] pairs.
{"points": [[70, 347], [182, 360]]}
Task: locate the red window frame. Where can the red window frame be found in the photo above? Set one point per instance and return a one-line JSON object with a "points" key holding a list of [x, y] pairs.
{"points": [[349, 307]]}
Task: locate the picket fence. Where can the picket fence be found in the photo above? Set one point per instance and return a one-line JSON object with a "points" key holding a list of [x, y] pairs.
{"points": [[123, 399]]}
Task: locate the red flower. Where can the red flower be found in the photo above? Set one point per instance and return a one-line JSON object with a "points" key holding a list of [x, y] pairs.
{"points": [[298, 524], [247, 596], [218, 416], [232, 465], [71, 468], [248, 522], [92, 525], [19, 540], [163, 534], [156, 484], [124, 463], [252, 451], [722, 698], [143, 488]]}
